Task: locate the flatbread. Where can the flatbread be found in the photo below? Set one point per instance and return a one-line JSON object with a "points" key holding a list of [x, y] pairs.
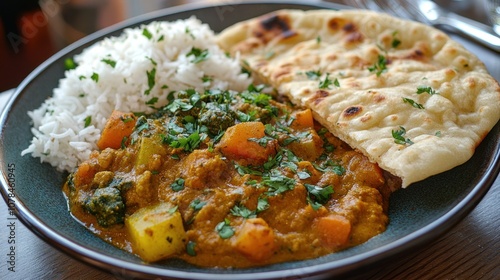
{"points": [[439, 128]]}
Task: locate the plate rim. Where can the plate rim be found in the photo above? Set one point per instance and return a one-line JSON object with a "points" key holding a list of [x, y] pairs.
{"points": [[122, 267]]}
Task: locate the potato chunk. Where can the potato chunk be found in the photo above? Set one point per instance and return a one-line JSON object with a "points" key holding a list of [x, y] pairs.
{"points": [[149, 148], [156, 232], [255, 240]]}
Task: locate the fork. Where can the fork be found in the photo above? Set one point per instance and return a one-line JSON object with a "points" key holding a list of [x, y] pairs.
{"points": [[430, 13]]}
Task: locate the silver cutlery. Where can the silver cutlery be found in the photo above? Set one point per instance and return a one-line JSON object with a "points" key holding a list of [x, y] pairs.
{"points": [[428, 12]]}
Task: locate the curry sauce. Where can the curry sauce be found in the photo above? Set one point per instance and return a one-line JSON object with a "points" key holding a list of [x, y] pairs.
{"points": [[227, 179]]}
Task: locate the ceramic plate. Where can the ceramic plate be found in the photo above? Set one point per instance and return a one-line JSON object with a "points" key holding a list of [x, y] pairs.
{"points": [[418, 214]]}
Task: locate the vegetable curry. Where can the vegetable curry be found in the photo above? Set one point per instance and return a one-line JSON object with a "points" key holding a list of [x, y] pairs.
{"points": [[227, 179]]}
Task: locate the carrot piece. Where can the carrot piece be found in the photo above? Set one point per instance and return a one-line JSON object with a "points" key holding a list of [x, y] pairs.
{"points": [[334, 230], [237, 142], [84, 174], [303, 119], [118, 126], [255, 240]]}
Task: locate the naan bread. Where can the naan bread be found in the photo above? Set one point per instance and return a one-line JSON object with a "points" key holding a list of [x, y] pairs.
{"points": [[367, 106]]}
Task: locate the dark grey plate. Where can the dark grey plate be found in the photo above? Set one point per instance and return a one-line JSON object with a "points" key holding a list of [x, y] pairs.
{"points": [[418, 214]]}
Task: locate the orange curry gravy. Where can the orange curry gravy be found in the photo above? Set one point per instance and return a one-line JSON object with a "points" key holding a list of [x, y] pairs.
{"points": [[226, 160]]}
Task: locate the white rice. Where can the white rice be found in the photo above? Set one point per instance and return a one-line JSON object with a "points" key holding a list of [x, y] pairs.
{"points": [[60, 136]]}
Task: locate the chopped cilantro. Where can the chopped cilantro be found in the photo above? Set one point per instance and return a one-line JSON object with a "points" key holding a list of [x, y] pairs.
{"points": [[244, 70], [322, 131], [199, 55], [126, 119], [313, 75], [273, 162], [425, 89], [291, 156], [173, 209], [242, 170], [242, 211], [151, 80], [395, 41], [413, 103], [69, 63], [95, 77], [146, 33], [190, 248], [380, 66], [152, 61], [175, 156], [336, 83], [330, 166], [197, 204], [177, 185], [123, 142], [224, 229], [250, 116], [179, 104], [262, 204], [326, 83], [152, 101], [261, 141], [278, 183], [109, 62], [188, 144], [296, 138], [318, 195], [141, 125], [206, 79], [252, 183], [303, 175], [88, 121], [290, 165], [399, 138], [188, 31]]}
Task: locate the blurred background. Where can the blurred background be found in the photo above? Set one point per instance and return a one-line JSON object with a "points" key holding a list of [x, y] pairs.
{"points": [[33, 30]]}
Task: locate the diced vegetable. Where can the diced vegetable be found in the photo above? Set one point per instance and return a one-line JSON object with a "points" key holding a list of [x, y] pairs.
{"points": [[118, 126], [334, 230], [303, 119], [237, 142], [156, 232], [309, 147], [255, 240], [84, 174], [107, 205], [149, 147]]}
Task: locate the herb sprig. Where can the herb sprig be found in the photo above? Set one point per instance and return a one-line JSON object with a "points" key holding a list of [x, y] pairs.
{"points": [[399, 138]]}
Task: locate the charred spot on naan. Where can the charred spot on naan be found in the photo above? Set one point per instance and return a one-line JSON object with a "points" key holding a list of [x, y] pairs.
{"points": [[420, 52], [336, 24], [319, 95], [352, 111], [416, 55], [284, 72], [274, 26], [351, 34]]}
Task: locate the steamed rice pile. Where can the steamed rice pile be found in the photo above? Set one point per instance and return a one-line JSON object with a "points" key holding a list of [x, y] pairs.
{"points": [[128, 73]]}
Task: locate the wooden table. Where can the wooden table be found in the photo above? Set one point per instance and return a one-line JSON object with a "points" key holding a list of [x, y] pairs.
{"points": [[470, 250]]}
